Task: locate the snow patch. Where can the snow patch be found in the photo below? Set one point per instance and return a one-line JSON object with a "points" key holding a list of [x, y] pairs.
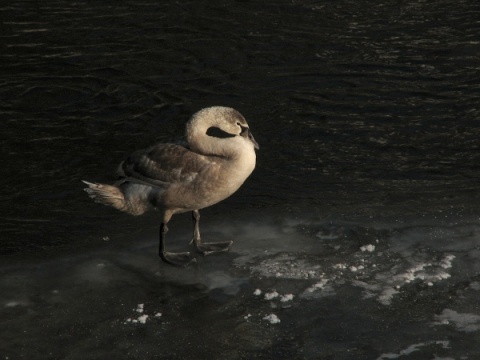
{"points": [[271, 295], [286, 297], [317, 286], [141, 319], [286, 266], [272, 318], [390, 282], [369, 248]]}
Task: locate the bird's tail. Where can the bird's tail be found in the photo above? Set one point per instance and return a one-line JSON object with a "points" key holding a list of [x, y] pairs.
{"points": [[106, 194]]}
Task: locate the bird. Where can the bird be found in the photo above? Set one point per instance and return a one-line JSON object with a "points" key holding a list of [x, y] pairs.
{"points": [[215, 158]]}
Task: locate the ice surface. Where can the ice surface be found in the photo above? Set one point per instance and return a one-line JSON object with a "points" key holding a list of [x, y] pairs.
{"points": [[386, 284], [271, 295], [272, 318], [369, 248], [288, 267], [413, 348], [142, 319], [463, 322], [317, 286], [475, 285], [314, 292], [379, 281], [286, 297]]}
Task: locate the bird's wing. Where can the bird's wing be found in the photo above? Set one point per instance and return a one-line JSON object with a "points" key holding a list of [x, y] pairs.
{"points": [[163, 165]]}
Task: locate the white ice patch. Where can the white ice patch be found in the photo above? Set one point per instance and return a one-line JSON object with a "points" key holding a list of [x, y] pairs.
{"points": [[369, 248], [287, 267], [15, 303], [390, 282], [446, 263], [257, 292], [272, 318], [271, 295], [317, 286], [413, 348], [141, 319], [386, 296], [318, 290], [428, 272], [286, 297], [463, 322], [382, 275]]}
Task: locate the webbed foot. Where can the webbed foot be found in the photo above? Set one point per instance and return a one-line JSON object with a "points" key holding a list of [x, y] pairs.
{"points": [[214, 247], [182, 259]]}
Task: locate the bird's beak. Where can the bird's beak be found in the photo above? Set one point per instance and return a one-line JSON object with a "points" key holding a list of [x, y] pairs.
{"points": [[247, 134]]}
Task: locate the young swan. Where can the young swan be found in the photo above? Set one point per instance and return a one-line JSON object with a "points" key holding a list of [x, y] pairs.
{"points": [[217, 159]]}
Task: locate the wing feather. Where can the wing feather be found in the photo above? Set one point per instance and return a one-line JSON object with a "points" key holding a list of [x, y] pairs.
{"points": [[163, 165]]}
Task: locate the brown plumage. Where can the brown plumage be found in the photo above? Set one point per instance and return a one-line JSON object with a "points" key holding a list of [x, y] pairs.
{"points": [[217, 158]]}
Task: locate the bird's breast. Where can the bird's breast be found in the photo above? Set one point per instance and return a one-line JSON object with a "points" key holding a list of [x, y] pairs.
{"points": [[214, 183]]}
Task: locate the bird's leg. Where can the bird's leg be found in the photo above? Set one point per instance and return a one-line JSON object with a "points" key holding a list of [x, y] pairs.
{"points": [[206, 248], [177, 259]]}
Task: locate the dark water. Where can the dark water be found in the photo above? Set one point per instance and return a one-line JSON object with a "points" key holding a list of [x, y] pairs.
{"points": [[367, 117]]}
